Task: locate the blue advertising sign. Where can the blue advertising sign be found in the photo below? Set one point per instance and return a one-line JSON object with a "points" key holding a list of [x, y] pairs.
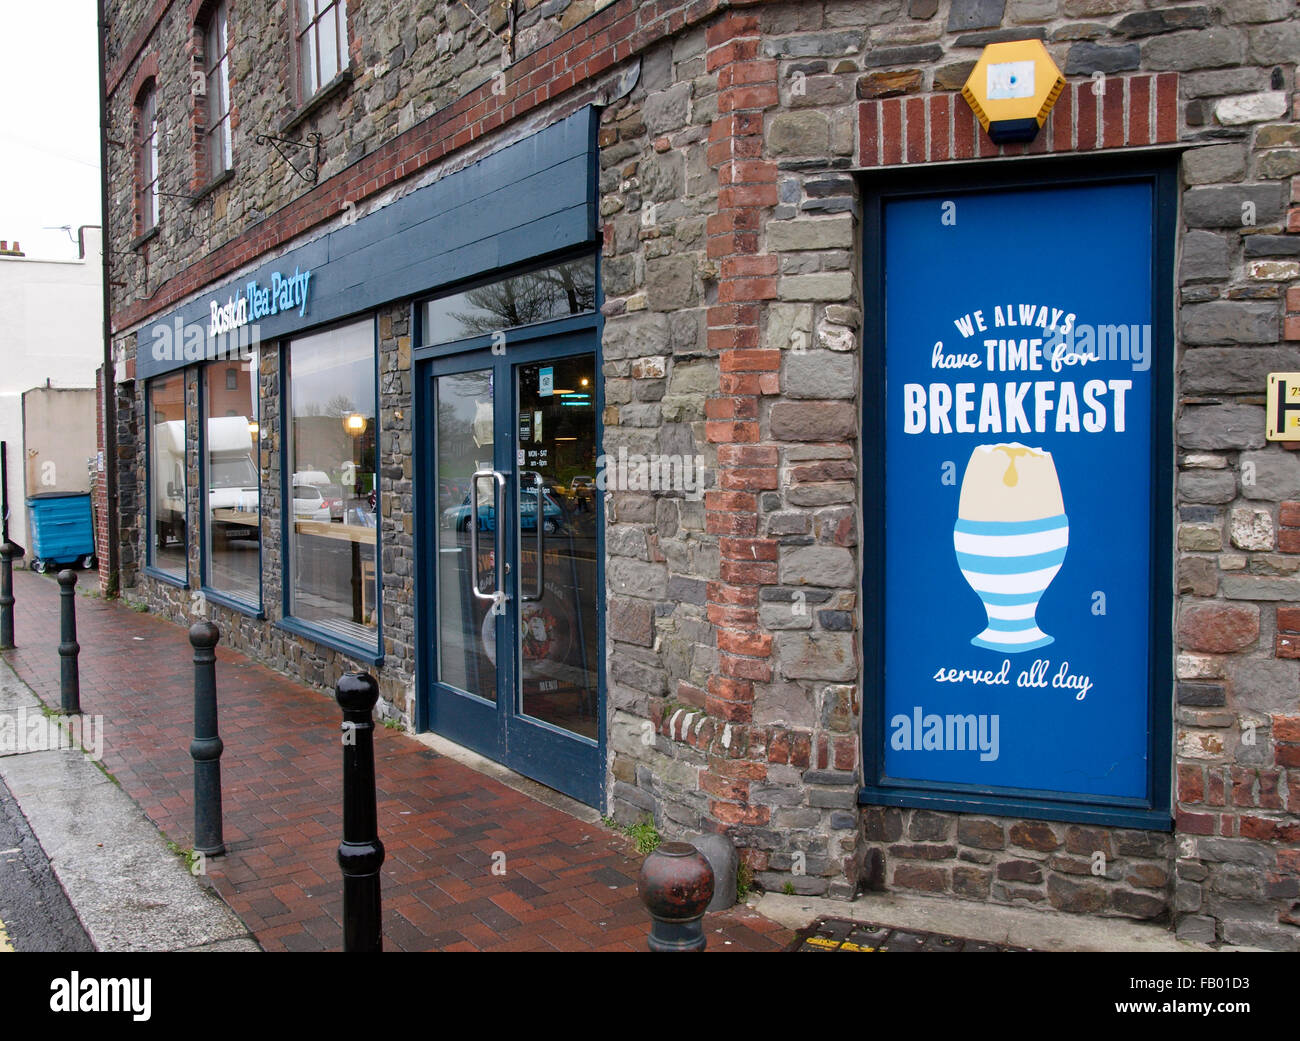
{"points": [[1018, 465]]}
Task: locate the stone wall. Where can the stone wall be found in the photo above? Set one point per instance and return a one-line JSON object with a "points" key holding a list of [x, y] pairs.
{"points": [[732, 320], [765, 745], [409, 60]]}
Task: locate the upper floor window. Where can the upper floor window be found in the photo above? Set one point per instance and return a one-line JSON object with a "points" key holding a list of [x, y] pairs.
{"points": [[146, 207], [216, 83], [322, 44]]}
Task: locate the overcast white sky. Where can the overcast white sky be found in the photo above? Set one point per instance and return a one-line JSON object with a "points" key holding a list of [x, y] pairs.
{"points": [[49, 123]]}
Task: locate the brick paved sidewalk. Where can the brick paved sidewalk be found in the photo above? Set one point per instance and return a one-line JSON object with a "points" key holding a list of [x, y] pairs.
{"points": [[569, 885]]}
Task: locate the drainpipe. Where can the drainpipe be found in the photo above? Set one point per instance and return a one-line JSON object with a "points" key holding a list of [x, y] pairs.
{"points": [[109, 388]]}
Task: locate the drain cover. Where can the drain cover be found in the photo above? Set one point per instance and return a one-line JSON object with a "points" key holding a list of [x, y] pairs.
{"points": [[840, 934]]}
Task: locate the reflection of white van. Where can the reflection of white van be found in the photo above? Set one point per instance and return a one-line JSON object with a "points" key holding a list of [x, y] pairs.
{"points": [[316, 477], [232, 477], [169, 481]]}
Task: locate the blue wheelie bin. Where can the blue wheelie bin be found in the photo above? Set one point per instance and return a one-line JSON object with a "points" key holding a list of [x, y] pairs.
{"points": [[61, 530]]}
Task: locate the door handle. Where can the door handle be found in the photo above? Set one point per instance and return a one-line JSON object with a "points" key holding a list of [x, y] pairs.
{"points": [[498, 486], [538, 519]]}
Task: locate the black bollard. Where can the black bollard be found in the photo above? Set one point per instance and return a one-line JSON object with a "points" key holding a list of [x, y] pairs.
{"points": [[676, 885], [7, 553], [361, 854], [206, 747], [69, 679]]}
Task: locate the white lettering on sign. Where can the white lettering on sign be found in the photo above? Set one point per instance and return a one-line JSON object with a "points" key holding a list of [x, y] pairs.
{"points": [[285, 293]]}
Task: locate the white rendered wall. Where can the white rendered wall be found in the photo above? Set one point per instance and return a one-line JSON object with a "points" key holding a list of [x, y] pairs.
{"points": [[51, 333]]}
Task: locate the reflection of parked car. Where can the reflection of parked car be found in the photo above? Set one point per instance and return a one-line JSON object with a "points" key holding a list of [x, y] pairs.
{"points": [[458, 516], [309, 504], [451, 492], [582, 490], [232, 478], [552, 514], [333, 496]]}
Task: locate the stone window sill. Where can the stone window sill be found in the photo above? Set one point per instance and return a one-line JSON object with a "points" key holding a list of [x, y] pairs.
{"points": [[335, 86], [140, 240], [216, 182]]}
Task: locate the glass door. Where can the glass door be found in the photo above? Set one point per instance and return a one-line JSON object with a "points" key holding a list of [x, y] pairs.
{"points": [[516, 582]]}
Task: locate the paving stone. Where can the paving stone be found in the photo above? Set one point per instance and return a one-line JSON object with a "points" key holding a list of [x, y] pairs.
{"points": [[280, 773]]}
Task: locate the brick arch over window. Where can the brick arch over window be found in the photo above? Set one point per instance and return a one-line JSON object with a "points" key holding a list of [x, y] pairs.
{"points": [[212, 113], [144, 147]]}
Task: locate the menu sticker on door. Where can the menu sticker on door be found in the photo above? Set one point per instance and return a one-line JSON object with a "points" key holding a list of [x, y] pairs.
{"points": [[1018, 469], [546, 382]]}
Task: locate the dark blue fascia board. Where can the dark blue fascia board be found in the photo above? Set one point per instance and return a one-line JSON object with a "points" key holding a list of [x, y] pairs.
{"points": [[490, 215]]}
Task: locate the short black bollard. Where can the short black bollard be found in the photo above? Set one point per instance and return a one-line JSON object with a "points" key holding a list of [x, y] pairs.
{"points": [[69, 678], [206, 747], [7, 553], [361, 854], [676, 885]]}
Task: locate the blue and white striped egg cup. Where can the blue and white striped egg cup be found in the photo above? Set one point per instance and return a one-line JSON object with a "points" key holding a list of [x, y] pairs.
{"points": [[1010, 564]]}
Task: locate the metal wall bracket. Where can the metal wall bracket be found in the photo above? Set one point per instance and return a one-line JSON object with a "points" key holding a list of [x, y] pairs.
{"points": [[308, 172]]}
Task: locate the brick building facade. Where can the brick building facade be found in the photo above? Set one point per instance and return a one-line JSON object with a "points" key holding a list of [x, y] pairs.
{"points": [[735, 153]]}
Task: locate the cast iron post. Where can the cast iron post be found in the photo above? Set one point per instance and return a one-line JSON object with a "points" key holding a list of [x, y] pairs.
{"points": [[206, 747], [360, 853], [69, 679], [7, 550], [676, 885]]}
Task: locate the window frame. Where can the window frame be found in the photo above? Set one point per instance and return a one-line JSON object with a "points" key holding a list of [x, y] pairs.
{"points": [[300, 34], [214, 134], [151, 566], [370, 655], [425, 341], [1155, 813], [233, 600], [148, 175]]}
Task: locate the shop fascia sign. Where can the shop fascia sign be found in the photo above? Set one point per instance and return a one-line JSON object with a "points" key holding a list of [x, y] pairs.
{"points": [[256, 301]]}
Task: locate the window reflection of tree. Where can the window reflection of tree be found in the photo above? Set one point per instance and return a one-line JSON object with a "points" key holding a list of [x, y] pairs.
{"points": [[338, 406], [528, 299], [458, 398]]}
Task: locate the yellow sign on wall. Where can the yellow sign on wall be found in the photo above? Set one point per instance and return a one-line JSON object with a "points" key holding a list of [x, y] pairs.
{"points": [[1012, 89], [1283, 407]]}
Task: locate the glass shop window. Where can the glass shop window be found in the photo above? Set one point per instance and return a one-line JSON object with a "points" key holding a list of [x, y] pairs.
{"points": [[537, 296], [167, 492], [331, 445], [233, 529]]}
